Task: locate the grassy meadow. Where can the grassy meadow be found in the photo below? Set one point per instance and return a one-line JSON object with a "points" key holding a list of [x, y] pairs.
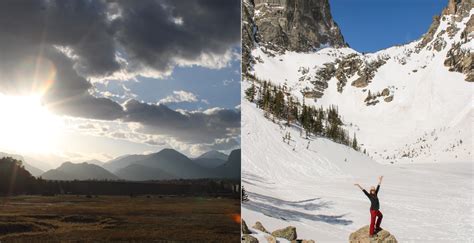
{"points": [[71, 218]]}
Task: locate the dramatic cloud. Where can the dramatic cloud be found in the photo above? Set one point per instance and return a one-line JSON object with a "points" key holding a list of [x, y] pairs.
{"points": [[56, 47], [162, 34]]}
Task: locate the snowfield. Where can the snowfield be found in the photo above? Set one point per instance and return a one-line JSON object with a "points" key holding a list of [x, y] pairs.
{"points": [[312, 189]]}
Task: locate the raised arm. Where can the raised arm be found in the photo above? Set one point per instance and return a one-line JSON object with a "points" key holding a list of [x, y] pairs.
{"points": [[357, 185], [363, 190], [378, 185]]}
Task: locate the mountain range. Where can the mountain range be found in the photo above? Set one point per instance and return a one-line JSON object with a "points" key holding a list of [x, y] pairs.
{"points": [[81, 171], [166, 164]]}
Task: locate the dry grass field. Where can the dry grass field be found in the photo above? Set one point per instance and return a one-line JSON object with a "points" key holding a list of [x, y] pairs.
{"points": [[119, 218]]}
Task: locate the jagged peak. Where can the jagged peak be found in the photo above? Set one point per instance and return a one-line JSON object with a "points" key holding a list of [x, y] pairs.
{"points": [[295, 25], [458, 7]]}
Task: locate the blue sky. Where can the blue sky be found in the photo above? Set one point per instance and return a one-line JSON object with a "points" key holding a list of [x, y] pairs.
{"points": [[372, 25]]}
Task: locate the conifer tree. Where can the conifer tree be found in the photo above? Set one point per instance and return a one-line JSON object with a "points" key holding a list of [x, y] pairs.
{"points": [[355, 146], [250, 93]]}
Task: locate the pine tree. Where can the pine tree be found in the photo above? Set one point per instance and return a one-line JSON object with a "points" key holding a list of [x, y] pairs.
{"points": [[250, 93], [289, 110], [355, 146]]}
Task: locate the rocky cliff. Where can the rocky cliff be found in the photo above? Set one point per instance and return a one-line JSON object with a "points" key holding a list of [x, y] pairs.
{"points": [[459, 58], [288, 25], [248, 34]]}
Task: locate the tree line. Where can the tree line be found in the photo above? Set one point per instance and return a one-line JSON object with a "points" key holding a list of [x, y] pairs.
{"points": [[278, 103], [16, 180]]}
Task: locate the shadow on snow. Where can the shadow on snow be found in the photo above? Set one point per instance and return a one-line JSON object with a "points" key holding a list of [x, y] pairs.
{"points": [[271, 207]]}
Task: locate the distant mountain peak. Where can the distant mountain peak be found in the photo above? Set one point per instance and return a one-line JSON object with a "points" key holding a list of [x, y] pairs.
{"points": [[213, 154], [80, 171]]}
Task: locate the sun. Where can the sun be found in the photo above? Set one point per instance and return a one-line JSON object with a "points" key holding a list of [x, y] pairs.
{"points": [[27, 126]]}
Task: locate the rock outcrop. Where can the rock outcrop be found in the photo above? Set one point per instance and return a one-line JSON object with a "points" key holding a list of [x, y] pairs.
{"points": [[362, 236], [245, 228], [460, 60], [249, 239], [428, 37], [460, 8], [288, 233], [344, 69], [455, 12], [259, 226], [294, 25]]}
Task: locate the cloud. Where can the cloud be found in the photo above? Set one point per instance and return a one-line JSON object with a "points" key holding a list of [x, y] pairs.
{"points": [[227, 82], [66, 43], [194, 127], [87, 126], [204, 35], [59, 47], [179, 96]]}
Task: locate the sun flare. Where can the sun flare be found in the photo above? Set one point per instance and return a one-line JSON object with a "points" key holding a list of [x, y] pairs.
{"points": [[26, 125]]}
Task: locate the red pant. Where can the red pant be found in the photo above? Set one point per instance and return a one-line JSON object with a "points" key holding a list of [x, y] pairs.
{"points": [[373, 214]]}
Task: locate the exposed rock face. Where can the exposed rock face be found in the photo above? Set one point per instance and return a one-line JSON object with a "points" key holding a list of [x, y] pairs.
{"points": [[456, 10], [295, 25], [344, 69], [460, 8], [362, 236], [388, 99], [468, 32], [428, 37], [460, 60], [288, 233], [248, 34], [373, 99]]}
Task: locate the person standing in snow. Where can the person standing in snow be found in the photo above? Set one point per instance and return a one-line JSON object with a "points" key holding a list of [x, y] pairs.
{"points": [[374, 207]]}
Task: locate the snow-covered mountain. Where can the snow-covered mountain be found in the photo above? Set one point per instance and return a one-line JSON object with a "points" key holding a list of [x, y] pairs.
{"points": [[416, 126], [409, 103]]}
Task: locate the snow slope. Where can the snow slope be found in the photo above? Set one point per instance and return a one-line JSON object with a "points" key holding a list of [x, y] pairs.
{"points": [[312, 189]]}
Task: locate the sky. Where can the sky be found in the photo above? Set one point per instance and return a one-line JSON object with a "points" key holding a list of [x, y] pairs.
{"points": [[83, 80], [372, 25]]}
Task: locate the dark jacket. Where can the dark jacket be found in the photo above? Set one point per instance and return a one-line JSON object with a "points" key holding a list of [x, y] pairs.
{"points": [[374, 200]]}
